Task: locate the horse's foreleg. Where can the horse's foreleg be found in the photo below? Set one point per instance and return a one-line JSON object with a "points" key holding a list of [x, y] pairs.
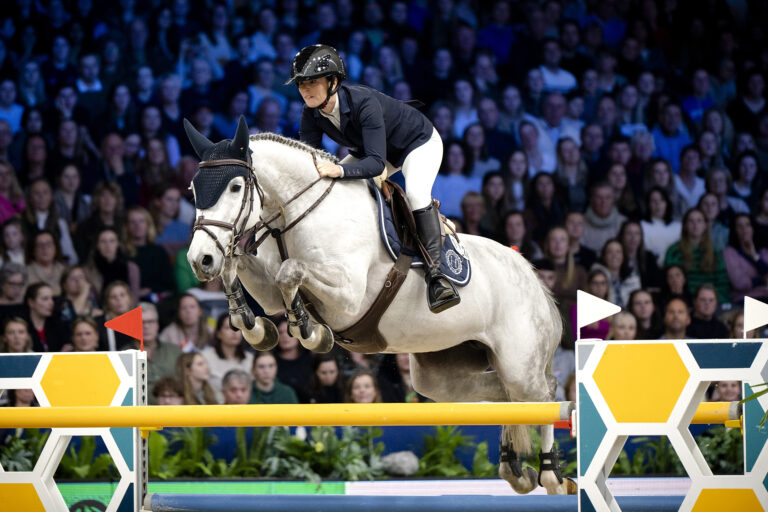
{"points": [[292, 275], [259, 332], [551, 476]]}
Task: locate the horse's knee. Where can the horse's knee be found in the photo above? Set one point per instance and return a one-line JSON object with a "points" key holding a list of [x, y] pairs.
{"points": [[290, 275]]}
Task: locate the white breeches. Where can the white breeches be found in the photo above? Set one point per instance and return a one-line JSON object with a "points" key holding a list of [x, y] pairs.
{"points": [[419, 170]]}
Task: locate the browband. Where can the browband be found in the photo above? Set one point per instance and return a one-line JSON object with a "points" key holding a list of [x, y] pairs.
{"points": [[224, 161]]}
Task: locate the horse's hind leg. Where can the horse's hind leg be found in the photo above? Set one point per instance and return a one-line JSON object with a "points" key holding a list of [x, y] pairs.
{"points": [[460, 374], [551, 476]]}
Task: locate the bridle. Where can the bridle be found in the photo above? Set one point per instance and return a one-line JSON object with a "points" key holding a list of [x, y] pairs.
{"points": [[253, 187]]}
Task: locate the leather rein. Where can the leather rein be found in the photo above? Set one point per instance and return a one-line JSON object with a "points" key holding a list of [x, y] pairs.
{"points": [[253, 187]]}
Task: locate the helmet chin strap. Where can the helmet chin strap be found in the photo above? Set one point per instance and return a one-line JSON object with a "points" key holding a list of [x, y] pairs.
{"points": [[331, 91]]}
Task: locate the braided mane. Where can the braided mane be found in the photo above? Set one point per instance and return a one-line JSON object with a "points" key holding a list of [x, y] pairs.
{"points": [[296, 144]]}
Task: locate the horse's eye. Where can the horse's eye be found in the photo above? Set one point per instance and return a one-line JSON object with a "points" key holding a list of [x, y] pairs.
{"points": [[235, 188]]}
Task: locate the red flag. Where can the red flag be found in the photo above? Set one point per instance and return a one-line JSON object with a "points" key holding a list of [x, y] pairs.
{"points": [[129, 324]]}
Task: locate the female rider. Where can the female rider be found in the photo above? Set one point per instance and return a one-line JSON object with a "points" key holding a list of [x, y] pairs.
{"points": [[382, 133]]}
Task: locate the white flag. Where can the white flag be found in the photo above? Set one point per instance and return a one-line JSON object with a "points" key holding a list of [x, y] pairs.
{"points": [[590, 309], [755, 314]]}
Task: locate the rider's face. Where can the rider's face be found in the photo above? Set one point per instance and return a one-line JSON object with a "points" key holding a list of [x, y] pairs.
{"points": [[314, 92]]}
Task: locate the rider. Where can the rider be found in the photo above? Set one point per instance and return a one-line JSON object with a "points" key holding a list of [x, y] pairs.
{"points": [[382, 133]]}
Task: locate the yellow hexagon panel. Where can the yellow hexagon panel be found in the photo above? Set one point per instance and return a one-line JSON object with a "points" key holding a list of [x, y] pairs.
{"points": [[641, 382], [20, 497], [80, 380], [719, 500]]}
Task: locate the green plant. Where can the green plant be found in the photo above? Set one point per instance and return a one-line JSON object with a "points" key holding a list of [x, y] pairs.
{"points": [[756, 395], [723, 450], [440, 459], [23, 449], [83, 463], [481, 466]]}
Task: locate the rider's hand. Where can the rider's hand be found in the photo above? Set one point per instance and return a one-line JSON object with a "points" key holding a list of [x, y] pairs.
{"points": [[329, 170]]}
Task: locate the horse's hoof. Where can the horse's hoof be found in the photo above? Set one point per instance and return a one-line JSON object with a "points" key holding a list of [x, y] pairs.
{"points": [[268, 340], [321, 340], [523, 484], [570, 486]]}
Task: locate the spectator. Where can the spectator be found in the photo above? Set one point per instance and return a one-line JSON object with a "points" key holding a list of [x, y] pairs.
{"points": [[637, 258], [623, 193], [717, 122], [498, 143], [598, 283], [153, 170], [606, 117], [718, 183], [121, 115], [571, 174], [44, 261], [737, 327], [267, 388], [659, 230], [718, 232], [116, 300], [6, 138], [543, 210], [193, 372], [472, 213], [145, 90], [167, 391], [227, 353], [10, 111], [11, 195], [746, 181], [91, 92], [676, 320], [704, 323], [161, 357], [569, 275], [622, 279], [85, 335], [516, 179], [31, 92], [515, 235], [325, 382], [464, 109], [623, 327], [709, 149], [394, 380], [592, 142], [59, 69], [727, 391], [189, 330], [362, 389], [152, 260], [538, 160], [34, 159], [268, 116], [659, 174], [172, 232], [641, 305], [555, 78], [493, 193], [701, 261], [670, 135], [293, 362], [108, 263], [760, 220], [151, 126], [77, 295], [553, 124], [13, 242], [106, 212], [16, 338], [236, 387], [602, 219], [13, 284], [47, 334], [747, 267], [697, 103], [40, 215], [574, 226], [72, 206], [746, 108], [534, 91]]}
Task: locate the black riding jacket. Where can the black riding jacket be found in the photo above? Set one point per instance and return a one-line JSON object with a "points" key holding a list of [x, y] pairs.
{"points": [[375, 127]]}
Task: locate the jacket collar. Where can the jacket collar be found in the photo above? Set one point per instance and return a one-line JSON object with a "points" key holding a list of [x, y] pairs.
{"points": [[344, 108]]}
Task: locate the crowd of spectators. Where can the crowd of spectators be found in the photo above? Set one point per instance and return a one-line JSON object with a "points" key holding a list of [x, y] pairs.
{"points": [[620, 145]]}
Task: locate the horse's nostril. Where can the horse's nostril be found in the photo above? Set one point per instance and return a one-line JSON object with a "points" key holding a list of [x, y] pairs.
{"points": [[207, 260]]}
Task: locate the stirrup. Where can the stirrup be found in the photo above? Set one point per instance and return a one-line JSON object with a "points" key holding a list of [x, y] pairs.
{"points": [[437, 304]]}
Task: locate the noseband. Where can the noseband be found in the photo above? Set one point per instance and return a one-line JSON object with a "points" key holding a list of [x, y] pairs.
{"points": [[252, 187]]}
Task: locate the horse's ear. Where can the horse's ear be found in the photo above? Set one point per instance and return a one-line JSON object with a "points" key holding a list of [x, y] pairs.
{"points": [[240, 140], [200, 142]]}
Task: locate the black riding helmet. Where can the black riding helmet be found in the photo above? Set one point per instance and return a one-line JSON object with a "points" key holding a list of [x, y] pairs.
{"points": [[317, 61]]}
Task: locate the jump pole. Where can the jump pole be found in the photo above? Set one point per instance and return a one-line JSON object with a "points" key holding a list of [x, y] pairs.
{"points": [[263, 415]]}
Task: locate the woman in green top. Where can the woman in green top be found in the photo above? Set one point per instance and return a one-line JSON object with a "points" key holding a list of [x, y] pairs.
{"points": [[267, 389], [695, 253]]}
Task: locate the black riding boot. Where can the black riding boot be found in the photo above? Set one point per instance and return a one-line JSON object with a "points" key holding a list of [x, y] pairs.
{"points": [[441, 294]]}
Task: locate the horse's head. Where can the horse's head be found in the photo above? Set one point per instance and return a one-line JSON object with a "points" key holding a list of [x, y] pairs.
{"points": [[225, 195]]}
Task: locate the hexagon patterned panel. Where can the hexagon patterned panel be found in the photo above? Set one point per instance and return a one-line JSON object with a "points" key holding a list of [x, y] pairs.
{"points": [[634, 388], [75, 379]]}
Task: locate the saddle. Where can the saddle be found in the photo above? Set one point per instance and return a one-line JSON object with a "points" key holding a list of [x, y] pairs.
{"points": [[364, 336]]}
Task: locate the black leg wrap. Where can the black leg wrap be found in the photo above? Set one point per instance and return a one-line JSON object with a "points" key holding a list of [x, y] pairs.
{"points": [[553, 465], [238, 305], [507, 454], [298, 317]]}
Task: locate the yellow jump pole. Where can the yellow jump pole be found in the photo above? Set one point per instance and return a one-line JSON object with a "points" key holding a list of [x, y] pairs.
{"points": [[290, 415]]}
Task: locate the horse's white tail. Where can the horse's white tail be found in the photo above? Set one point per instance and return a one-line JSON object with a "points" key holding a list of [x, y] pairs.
{"points": [[519, 438]]}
